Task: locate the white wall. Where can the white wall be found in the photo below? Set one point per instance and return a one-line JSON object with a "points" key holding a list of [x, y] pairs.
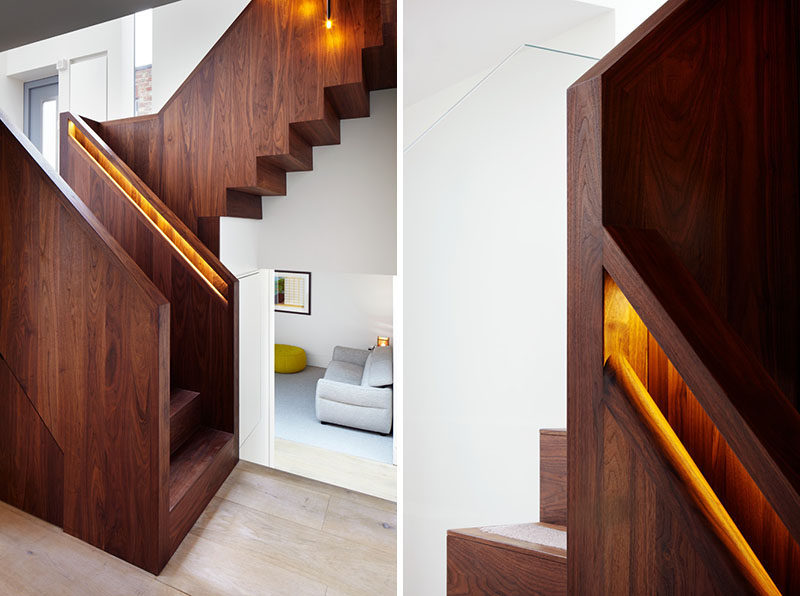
{"points": [[484, 307], [113, 39], [183, 33], [11, 94], [341, 217], [346, 309]]}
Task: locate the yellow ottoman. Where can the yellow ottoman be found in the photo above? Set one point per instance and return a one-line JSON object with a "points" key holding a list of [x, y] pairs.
{"points": [[289, 359]]}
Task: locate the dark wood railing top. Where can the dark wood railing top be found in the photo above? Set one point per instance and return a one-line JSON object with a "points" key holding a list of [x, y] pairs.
{"points": [[740, 397]]}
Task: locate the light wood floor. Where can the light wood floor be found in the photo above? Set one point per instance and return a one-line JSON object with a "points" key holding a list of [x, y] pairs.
{"points": [[266, 532], [355, 473]]}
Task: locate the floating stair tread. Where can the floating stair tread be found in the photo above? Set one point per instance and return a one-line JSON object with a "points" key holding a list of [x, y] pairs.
{"points": [[539, 539], [554, 431], [179, 399], [192, 459]]}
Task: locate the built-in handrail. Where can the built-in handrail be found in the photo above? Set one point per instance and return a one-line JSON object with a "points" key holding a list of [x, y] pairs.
{"points": [[196, 255], [739, 396], [619, 371]]}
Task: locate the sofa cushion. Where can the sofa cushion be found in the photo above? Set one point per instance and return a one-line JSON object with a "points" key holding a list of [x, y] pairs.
{"points": [[344, 372], [378, 368]]}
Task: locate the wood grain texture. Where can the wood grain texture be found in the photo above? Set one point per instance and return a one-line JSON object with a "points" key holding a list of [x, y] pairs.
{"points": [[713, 163], [696, 125], [584, 335], [203, 340], [31, 463], [203, 327], [264, 541], [96, 360], [481, 563], [185, 417], [274, 85], [724, 375], [553, 476], [656, 538], [627, 336]]}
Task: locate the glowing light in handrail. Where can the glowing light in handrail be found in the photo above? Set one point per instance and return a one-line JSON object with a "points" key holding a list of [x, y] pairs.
{"points": [[690, 474], [178, 242]]}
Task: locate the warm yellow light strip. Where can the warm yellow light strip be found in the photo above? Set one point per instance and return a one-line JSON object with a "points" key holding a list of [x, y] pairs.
{"points": [[172, 236], [703, 494]]}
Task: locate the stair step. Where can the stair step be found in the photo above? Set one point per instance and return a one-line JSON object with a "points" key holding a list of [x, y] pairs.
{"points": [[483, 562], [189, 463], [300, 157], [185, 412], [553, 476], [326, 131], [243, 204]]}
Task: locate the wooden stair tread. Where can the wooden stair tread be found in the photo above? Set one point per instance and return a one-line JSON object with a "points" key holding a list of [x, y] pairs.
{"points": [[493, 539], [179, 399], [194, 457], [185, 414]]}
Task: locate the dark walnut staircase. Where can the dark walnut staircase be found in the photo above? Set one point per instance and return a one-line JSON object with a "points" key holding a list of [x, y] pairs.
{"points": [[118, 324], [483, 561]]}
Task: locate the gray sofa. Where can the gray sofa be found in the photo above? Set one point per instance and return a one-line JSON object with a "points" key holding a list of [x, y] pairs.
{"points": [[356, 390]]}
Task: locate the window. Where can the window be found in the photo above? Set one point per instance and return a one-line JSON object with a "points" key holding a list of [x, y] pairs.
{"points": [[143, 62]]}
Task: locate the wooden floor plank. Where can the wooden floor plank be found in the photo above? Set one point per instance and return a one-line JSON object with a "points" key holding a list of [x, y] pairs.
{"points": [[273, 495], [339, 563], [356, 473], [267, 532]]}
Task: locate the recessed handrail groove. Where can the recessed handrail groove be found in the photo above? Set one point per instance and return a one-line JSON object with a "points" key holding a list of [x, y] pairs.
{"points": [[738, 395], [124, 181], [619, 370]]}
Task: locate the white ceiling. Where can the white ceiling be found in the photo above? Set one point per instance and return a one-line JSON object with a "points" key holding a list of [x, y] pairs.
{"points": [[479, 34], [26, 21]]}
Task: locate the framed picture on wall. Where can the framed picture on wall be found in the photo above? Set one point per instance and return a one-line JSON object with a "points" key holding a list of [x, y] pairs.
{"points": [[293, 292]]}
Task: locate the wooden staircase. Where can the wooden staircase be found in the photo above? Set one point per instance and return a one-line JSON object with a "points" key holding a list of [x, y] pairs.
{"points": [[301, 79], [118, 324], [496, 561]]}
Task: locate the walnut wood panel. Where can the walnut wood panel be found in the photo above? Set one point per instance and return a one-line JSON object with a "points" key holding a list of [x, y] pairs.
{"points": [[99, 358], [690, 127], [742, 400], [203, 328], [657, 540], [276, 73], [31, 463], [584, 336], [479, 564], [712, 164], [627, 336], [553, 476]]}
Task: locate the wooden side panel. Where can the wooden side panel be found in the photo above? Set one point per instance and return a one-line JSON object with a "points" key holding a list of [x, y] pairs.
{"points": [[655, 540], [626, 335], [139, 142], [553, 477], [584, 336], [701, 144], [31, 463], [478, 567], [107, 339]]}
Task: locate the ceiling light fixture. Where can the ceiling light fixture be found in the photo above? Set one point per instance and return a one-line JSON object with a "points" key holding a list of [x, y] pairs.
{"points": [[328, 21]]}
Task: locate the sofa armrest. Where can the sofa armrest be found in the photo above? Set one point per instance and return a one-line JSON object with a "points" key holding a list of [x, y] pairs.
{"points": [[357, 395], [351, 355]]}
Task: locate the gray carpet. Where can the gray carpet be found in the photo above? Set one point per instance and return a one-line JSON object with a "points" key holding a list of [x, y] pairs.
{"points": [[296, 420]]}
